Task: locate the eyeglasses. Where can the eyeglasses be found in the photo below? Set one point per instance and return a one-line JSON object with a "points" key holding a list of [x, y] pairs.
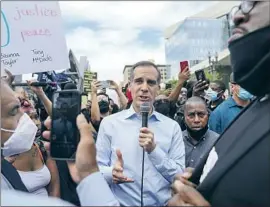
{"points": [[245, 7]]}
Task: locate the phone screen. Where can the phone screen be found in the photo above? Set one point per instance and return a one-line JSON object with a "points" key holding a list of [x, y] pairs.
{"points": [[105, 84], [64, 131], [183, 65], [200, 75]]}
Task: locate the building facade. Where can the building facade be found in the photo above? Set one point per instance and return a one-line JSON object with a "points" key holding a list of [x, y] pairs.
{"points": [[198, 36], [165, 71]]}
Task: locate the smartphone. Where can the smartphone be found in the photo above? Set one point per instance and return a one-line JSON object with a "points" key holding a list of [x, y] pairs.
{"points": [[64, 132], [200, 75], [168, 86], [183, 65], [105, 84]]}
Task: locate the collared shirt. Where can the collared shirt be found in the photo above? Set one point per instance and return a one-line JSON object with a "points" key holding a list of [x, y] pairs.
{"points": [[121, 131], [223, 115], [194, 152], [89, 194]]}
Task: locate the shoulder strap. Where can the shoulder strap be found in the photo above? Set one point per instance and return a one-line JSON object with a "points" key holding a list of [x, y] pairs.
{"points": [[11, 174]]}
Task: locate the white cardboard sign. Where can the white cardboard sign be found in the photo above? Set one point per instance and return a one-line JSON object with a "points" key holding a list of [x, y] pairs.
{"points": [[32, 37]]}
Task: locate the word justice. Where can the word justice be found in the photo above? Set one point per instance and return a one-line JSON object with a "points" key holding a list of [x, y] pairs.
{"points": [[37, 11]]}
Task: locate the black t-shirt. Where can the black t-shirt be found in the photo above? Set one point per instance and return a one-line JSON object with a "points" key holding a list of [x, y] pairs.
{"points": [[67, 185], [96, 125]]}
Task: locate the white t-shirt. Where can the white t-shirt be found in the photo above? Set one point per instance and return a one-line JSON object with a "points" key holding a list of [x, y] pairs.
{"points": [[210, 163]]}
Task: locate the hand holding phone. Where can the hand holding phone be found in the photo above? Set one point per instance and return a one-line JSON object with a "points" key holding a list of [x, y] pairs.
{"points": [[105, 84], [200, 75], [183, 65], [86, 162], [64, 133]]}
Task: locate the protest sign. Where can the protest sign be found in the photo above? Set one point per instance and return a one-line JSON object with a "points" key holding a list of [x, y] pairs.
{"points": [[32, 37], [87, 80]]}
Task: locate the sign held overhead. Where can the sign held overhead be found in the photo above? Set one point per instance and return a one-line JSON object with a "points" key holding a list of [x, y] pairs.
{"points": [[32, 37]]}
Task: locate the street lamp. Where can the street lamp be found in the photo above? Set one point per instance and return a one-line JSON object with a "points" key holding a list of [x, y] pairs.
{"points": [[213, 63]]}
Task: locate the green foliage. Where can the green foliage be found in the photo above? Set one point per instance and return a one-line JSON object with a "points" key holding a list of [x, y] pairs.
{"points": [[173, 82]]}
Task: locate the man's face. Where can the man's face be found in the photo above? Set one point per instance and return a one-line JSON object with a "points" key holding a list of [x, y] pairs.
{"points": [[144, 86], [183, 95], [235, 88], [215, 87], [10, 111], [257, 18], [196, 116]]}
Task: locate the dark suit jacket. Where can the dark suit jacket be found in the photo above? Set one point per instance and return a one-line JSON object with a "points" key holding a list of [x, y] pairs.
{"points": [[241, 176]]}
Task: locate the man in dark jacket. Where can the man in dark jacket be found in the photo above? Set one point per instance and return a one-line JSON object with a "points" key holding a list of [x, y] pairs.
{"points": [[237, 171]]}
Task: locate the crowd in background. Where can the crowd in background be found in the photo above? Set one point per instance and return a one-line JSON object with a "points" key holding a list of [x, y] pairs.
{"points": [[201, 147]]}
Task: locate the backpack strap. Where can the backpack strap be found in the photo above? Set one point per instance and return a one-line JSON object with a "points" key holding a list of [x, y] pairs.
{"points": [[11, 174]]}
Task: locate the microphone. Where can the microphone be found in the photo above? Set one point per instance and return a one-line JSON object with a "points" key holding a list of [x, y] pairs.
{"points": [[144, 110], [36, 84]]}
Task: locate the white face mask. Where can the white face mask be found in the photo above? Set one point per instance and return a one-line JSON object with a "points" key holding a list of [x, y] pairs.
{"points": [[22, 138]]}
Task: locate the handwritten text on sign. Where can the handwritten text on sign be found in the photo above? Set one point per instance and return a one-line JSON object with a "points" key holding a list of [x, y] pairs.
{"points": [[32, 37]]}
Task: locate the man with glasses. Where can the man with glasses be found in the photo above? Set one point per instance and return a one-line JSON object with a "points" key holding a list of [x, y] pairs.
{"points": [[237, 170], [197, 137]]}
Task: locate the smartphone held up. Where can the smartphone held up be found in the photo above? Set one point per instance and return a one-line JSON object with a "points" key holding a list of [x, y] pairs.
{"points": [[183, 65], [64, 132]]}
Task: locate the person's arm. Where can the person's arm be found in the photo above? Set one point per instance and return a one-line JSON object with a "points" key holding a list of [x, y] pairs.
{"points": [[103, 146], [94, 191], [95, 113], [122, 98], [54, 186], [169, 164], [42, 96], [182, 77]]}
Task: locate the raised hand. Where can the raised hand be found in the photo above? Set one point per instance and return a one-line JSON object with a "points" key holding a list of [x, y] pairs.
{"points": [[117, 172]]}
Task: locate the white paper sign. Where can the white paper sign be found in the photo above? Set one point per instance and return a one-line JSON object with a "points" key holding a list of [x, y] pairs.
{"points": [[32, 37]]}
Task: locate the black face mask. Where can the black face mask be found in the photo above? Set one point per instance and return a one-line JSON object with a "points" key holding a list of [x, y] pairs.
{"points": [[197, 134], [163, 108], [250, 59], [103, 106]]}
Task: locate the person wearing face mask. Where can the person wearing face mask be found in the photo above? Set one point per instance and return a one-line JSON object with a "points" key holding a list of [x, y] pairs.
{"points": [[216, 94], [100, 107], [38, 173], [226, 112], [197, 137], [167, 105], [163, 105], [18, 133], [237, 171]]}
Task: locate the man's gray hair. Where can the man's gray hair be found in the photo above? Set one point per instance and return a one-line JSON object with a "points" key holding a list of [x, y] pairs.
{"points": [[145, 63]]}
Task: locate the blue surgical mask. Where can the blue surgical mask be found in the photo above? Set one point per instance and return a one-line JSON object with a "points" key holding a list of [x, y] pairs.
{"points": [[212, 94], [244, 95]]}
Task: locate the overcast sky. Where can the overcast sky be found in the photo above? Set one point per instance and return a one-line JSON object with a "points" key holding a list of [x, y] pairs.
{"points": [[113, 34]]}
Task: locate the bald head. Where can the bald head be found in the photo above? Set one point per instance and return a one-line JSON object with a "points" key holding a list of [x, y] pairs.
{"points": [[196, 113], [194, 100]]}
